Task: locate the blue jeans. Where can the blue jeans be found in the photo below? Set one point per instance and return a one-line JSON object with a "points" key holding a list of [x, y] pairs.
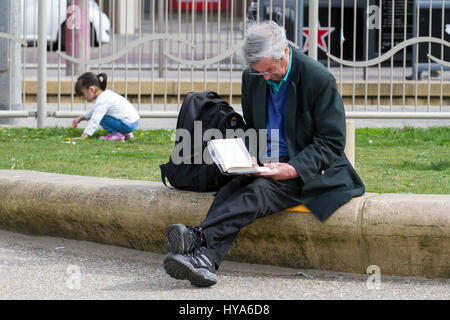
{"points": [[113, 125]]}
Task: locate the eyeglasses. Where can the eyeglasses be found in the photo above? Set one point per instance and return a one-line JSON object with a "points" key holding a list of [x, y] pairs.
{"points": [[253, 72]]}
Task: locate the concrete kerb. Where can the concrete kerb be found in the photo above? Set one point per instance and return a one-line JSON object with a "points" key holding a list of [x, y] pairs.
{"points": [[402, 234]]}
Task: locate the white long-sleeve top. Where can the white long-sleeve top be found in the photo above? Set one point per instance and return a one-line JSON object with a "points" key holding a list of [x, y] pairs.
{"points": [[111, 104]]}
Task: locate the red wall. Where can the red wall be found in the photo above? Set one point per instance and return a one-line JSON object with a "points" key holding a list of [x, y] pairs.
{"points": [[199, 4]]}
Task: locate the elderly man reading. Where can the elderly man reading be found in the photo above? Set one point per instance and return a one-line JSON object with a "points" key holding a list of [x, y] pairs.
{"points": [[287, 92]]}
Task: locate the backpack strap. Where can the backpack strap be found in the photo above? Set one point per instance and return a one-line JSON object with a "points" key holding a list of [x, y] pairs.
{"points": [[163, 176]]}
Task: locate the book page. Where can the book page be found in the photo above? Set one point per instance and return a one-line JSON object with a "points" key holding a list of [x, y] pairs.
{"points": [[231, 153], [247, 170], [214, 157]]}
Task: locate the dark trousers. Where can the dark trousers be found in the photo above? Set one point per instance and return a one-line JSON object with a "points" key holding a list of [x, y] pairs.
{"points": [[239, 203]]}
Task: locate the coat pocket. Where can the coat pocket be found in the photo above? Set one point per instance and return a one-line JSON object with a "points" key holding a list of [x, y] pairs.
{"points": [[334, 178]]}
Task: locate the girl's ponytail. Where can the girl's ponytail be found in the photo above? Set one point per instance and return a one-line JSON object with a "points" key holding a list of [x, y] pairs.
{"points": [[103, 80], [89, 79]]}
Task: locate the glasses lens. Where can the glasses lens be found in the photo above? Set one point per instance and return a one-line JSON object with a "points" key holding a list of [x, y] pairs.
{"points": [[267, 73]]}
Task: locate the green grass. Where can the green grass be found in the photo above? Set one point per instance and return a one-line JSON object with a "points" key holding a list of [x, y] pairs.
{"points": [[404, 160], [388, 160], [48, 150]]}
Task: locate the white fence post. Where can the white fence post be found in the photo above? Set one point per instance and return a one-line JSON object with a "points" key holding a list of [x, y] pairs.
{"points": [[16, 56], [161, 42], [42, 64], [10, 57], [4, 70], [313, 18]]}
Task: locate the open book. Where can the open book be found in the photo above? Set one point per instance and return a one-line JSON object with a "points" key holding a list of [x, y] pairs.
{"points": [[232, 157]]}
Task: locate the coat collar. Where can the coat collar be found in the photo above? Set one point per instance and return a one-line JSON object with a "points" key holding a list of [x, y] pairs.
{"points": [[260, 102], [291, 104]]}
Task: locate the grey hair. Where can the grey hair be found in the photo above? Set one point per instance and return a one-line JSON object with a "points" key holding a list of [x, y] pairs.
{"points": [[263, 40]]}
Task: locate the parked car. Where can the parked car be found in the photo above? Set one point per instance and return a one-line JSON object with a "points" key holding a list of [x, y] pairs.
{"points": [[56, 22]]}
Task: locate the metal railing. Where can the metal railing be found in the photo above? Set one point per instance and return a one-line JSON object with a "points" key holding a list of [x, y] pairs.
{"points": [[155, 52]]}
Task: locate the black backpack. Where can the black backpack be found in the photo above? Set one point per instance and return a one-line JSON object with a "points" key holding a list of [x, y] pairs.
{"points": [[214, 113]]}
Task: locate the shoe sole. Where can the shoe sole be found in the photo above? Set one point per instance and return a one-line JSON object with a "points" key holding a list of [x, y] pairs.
{"points": [[176, 234], [182, 270]]}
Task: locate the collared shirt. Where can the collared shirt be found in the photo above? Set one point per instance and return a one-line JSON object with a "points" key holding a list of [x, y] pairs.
{"points": [[277, 86]]}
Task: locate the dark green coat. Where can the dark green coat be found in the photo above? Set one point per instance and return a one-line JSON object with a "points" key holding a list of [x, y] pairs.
{"points": [[314, 124]]}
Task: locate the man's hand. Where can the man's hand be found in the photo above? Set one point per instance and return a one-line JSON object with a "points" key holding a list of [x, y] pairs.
{"points": [[279, 171], [254, 162]]}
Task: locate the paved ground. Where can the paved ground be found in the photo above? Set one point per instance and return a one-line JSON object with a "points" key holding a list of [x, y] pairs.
{"points": [[55, 268]]}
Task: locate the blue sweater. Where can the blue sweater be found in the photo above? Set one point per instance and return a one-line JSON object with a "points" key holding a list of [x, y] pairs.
{"points": [[275, 121], [276, 102]]}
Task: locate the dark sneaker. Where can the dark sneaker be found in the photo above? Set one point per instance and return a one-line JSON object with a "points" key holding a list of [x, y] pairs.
{"points": [[196, 267], [183, 239]]}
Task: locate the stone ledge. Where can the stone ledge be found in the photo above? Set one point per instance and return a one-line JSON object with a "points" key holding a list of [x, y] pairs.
{"points": [[402, 234]]}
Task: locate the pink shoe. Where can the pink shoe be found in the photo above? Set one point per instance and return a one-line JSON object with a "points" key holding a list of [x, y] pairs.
{"points": [[129, 136], [113, 137]]}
